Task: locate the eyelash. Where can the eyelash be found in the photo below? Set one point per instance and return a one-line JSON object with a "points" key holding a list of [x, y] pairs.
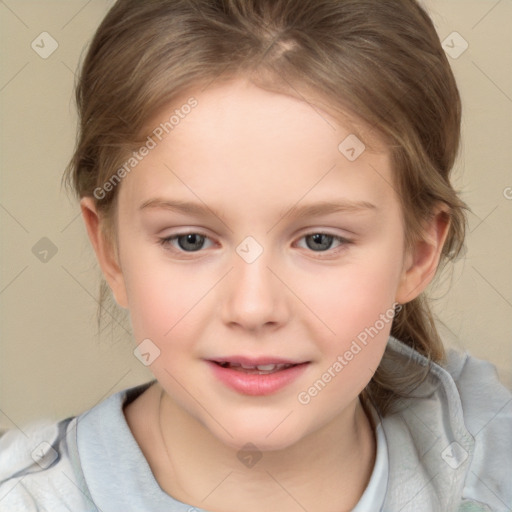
{"points": [[166, 242]]}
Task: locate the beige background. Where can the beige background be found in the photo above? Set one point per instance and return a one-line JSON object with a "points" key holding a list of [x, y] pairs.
{"points": [[53, 364]]}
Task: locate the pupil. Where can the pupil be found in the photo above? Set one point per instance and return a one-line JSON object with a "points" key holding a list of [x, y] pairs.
{"points": [[317, 238], [193, 239]]}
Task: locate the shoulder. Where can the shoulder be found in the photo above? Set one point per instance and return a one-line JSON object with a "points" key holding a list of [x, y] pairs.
{"points": [[486, 402], [487, 414], [452, 435], [74, 464], [40, 470]]}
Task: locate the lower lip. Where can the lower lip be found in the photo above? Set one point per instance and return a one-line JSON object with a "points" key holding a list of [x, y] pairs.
{"points": [[257, 384]]}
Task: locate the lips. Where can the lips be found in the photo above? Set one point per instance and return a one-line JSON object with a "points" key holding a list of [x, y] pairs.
{"points": [[256, 376]]}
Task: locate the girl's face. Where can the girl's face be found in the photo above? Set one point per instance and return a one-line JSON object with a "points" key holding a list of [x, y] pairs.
{"points": [[294, 255]]}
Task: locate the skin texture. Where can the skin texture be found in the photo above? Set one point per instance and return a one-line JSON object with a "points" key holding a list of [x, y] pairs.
{"points": [[250, 155]]}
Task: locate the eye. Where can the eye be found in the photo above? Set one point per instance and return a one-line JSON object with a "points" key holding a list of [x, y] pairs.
{"points": [[193, 242], [187, 242], [321, 242]]}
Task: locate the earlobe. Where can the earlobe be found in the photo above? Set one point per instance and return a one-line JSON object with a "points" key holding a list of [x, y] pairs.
{"points": [[422, 262], [104, 250]]}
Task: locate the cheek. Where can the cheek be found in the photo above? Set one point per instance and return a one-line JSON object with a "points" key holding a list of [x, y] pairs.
{"points": [[359, 310], [353, 297], [356, 306], [156, 295], [167, 303]]}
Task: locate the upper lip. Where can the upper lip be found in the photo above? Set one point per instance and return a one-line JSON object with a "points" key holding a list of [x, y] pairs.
{"points": [[254, 361]]}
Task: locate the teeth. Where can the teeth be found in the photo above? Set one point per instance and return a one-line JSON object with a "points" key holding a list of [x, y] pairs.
{"points": [[268, 367], [262, 368]]}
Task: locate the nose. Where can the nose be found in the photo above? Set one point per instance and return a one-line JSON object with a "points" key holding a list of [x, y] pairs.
{"points": [[254, 296]]}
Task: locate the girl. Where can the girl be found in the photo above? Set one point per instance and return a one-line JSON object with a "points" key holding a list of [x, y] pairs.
{"points": [[266, 186]]}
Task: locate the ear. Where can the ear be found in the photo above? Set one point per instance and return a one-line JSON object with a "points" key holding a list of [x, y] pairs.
{"points": [[421, 262], [105, 252]]}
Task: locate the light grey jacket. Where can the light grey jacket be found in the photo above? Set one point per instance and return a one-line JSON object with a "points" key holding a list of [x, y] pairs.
{"points": [[449, 450], [452, 449]]}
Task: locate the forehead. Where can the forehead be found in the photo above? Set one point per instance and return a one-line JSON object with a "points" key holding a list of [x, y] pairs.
{"points": [[240, 109], [244, 143]]}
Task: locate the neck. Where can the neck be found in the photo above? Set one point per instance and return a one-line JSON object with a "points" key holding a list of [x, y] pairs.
{"points": [[326, 470]]}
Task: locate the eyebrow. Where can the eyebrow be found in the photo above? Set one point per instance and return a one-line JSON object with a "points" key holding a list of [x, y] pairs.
{"points": [[298, 212]]}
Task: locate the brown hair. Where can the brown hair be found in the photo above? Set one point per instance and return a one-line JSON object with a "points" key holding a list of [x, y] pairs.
{"points": [[381, 62]]}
